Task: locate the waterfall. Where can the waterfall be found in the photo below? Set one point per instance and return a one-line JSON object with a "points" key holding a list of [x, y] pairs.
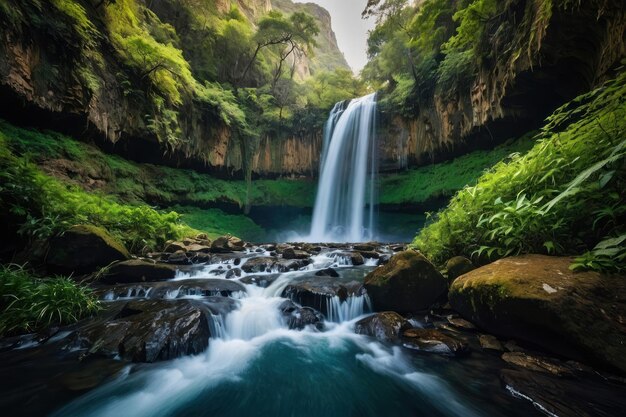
{"points": [[344, 207]]}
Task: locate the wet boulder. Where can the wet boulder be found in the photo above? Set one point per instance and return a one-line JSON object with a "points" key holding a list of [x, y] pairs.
{"points": [[148, 331], [298, 317], [138, 270], [258, 264], [365, 247], [226, 244], [318, 292], [286, 265], [386, 326], [458, 266], [262, 281], [433, 341], [409, 282], [327, 272], [178, 258], [538, 299], [84, 249], [356, 258], [291, 253]]}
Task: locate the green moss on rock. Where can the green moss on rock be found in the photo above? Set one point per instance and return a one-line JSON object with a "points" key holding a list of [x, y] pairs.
{"points": [[409, 282], [538, 299], [84, 248]]}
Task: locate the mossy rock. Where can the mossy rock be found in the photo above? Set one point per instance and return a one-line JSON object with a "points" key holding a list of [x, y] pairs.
{"points": [[538, 299], [84, 249], [409, 282], [457, 266], [138, 270], [386, 326]]}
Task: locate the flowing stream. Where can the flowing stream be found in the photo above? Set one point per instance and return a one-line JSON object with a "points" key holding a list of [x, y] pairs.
{"points": [[256, 366], [346, 195]]}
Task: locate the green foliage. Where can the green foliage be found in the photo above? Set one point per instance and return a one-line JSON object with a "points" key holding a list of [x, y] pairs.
{"points": [[430, 182], [563, 197], [217, 223], [29, 304], [608, 255], [43, 206]]}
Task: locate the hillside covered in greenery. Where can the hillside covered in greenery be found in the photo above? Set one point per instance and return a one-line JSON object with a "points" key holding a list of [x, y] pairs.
{"points": [[205, 211]]}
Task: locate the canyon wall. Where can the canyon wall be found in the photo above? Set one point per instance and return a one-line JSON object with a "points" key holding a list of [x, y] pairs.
{"points": [[573, 51]]}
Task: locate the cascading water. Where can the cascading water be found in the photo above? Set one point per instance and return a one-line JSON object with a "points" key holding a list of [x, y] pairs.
{"points": [[256, 364], [344, 206]]}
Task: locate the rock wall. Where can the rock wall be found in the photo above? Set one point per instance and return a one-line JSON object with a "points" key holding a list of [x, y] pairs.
{"points": [[538, 68], [573, 52]]}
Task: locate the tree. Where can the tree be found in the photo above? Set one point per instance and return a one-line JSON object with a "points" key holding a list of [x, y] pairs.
{"points": [[293, 35]]}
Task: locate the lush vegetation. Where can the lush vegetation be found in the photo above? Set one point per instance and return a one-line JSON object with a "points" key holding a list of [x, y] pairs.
{"points": [[443, 180], [436, 47], [245, 72], [215, 221], [40, 206], [565, 196], [29, 304], [87, 166]]}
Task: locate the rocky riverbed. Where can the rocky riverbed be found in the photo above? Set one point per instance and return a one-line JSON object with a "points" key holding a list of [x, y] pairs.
{"points": [[457, 332]]}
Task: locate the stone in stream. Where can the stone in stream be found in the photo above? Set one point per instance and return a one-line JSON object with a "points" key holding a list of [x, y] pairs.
{"points": [[538, 299], [386, 326], [317, 291], [327, 272], [138, 270], [369, 254], [226, 244], [291, 253], [433, 341], [233, 273], [286, 265], [178, 258], [298, 317], [356, 258], [262, 281], [365, 247], [258, 264], [383, 260], [147, 331], [408, 283], [84, 249], [490, 342]]}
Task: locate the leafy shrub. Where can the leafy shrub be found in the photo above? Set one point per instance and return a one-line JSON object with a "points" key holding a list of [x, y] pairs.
{"points": [[43, 206], [563, 197], [29, 304]]}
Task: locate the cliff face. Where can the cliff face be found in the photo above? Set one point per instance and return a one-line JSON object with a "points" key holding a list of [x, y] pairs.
{"points": [[66, 73], [541, 62], [326, 55], [47, 79]]}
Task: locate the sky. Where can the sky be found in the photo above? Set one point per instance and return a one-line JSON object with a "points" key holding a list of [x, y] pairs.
{"points": [[350, 29]]}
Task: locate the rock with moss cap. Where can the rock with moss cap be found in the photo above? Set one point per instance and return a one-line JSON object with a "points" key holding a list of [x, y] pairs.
{"points": [[84, 249], [458, 266], [538, 299], [409, 282]]}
